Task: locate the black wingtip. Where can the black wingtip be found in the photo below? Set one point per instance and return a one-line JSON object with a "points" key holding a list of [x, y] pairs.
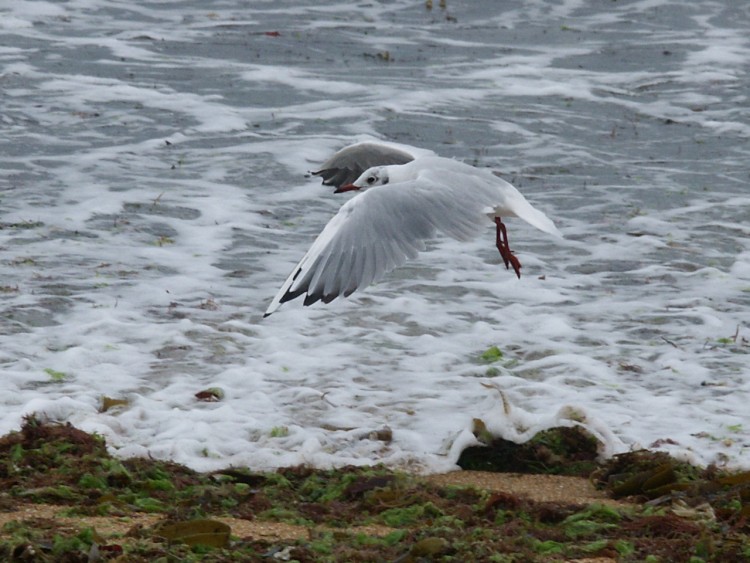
{"points": [[326, 174], [289, 295], [311, 298], [337, 177]]}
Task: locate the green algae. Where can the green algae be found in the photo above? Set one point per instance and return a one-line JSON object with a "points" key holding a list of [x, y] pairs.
{"points": [[45, 463]]}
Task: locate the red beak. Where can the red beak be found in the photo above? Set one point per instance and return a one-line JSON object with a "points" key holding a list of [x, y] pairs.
{"points": [[346, 188]]}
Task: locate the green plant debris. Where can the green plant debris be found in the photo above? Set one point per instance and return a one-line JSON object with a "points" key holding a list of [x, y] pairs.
{"points": [[279, 432], [358, 513], [55, 376], [591, 522], [492, 354], [408, 515]]}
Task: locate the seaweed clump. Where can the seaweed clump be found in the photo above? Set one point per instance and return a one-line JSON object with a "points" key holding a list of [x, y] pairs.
{"points": [[357, 514], [559, 451]]}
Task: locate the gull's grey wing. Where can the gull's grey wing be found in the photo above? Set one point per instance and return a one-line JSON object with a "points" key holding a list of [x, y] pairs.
{"points": [[348, 164], [378, 230]]}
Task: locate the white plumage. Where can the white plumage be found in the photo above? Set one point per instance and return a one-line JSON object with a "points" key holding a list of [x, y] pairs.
{"points": [[402, 206]]}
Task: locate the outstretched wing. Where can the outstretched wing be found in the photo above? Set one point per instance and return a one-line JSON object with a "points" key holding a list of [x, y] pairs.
{"points": [[380, 229], [348, 164]]}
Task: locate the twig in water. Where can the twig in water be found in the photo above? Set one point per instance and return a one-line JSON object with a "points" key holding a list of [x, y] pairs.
{"points": [[506, 402], [668, 341], [156, 201]]}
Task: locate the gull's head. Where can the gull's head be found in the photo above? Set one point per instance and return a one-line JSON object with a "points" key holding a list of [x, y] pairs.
{"points": [[375, 176]]}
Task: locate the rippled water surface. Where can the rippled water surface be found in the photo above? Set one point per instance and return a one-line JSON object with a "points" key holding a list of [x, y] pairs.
{"points": [[154, 195]]}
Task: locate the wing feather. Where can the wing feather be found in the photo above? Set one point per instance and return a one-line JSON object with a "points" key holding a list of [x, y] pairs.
{"points": [[377, 231], [347, 165]]}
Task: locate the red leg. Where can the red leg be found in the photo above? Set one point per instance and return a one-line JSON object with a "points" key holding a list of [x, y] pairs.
{"points": [[501, 241]]}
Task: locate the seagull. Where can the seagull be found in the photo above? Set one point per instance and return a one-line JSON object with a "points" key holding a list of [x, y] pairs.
{"points": [[406, 197]]}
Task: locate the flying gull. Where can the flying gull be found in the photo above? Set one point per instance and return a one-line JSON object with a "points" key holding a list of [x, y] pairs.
{"points": [[406, 197]]}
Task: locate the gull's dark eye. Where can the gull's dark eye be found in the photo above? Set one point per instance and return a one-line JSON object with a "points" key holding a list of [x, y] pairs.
{"points": [[371, 179]]}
